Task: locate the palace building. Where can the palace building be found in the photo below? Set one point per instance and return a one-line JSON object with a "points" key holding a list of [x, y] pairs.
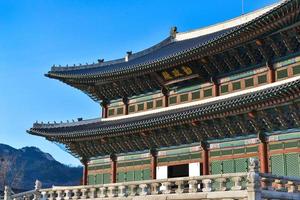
{"points": [[198, 103]]}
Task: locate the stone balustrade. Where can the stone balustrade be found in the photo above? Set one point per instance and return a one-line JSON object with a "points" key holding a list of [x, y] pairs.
{"points": [[247, 185]]}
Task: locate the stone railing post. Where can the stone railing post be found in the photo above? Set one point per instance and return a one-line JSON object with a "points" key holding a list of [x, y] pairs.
{"points": [[156, 188], [253, 180], [67, 194], [83, 193], [44, 195], [180, 186], [222, 183], [60, 194], [144, 189], [193, 186], [133, 190], [51, 195], [112, 191], [122, 191], [168, 189], [75, 194], [93, 193], [7, 193], [237, 183], [206, 185], [37, 187], [102, 192]]}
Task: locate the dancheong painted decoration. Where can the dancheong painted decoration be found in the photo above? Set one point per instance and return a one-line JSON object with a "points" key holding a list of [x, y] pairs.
{"points": [[197, 103]]}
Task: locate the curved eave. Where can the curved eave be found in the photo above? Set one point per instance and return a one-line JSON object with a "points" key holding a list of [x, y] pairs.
{"points": [[98, 128], [197, 51]]}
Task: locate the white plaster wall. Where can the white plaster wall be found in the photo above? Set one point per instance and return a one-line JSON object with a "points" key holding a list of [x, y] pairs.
{"points": [[161, 172], [194, 169]]}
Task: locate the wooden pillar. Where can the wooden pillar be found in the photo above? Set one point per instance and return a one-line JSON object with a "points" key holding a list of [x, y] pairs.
{"points": [[263, 154], [166, 96], [113, 161], [216, 90], [271, 72], [125, 101], [104, 105], [205, 159], [153, 154], [85, 173]]}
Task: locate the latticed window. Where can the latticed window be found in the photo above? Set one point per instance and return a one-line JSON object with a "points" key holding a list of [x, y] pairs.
{"points": [[91, 179], [262, 79], [111, 112], [296, 70], [120, 111], [224, 88], [184, 97], [149, 104], [207, 92], [158, 103], [173, 100], [196, 95], [282, 74], [236, 85], [249, 82], [131, 108], [140, 106]]}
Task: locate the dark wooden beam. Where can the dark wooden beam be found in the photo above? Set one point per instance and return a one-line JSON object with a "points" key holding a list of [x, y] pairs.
{"points": [[236, 54], [250, 54], [287, 42]]}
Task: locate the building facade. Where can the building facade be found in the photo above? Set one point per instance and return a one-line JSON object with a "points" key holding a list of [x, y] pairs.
{"points": [[198, 103]]}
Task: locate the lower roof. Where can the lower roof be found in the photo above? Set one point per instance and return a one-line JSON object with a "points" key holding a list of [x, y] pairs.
{"points": [[170, 116]]}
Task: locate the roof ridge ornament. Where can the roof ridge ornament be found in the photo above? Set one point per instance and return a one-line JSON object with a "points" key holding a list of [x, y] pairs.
{"points": [[173, 32], [128, 54], [100, 60]]}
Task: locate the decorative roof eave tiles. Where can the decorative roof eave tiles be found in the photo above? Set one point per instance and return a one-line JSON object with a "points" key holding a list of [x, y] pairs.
{"points": [[168, 118], [259, 24]]}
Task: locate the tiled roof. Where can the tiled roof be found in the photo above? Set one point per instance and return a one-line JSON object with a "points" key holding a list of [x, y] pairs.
{"points": [[168, 117], [164, 52]]}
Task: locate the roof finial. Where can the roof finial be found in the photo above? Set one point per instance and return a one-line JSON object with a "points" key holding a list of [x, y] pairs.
{"points": [[173, 32], [100, 60], [128, 54]]}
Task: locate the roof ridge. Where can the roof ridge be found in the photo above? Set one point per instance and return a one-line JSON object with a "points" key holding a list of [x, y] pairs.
{"points": [[141, 53], [242, 19]]}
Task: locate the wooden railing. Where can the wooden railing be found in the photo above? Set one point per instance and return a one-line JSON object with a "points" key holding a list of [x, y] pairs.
{"points": [[247, 185]]}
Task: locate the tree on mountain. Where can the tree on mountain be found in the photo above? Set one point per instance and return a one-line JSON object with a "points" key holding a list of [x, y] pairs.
{"points": [[10, 175]]}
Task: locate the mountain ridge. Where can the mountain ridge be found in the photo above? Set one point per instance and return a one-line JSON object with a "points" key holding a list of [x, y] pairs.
{"points": [[19, 168]]}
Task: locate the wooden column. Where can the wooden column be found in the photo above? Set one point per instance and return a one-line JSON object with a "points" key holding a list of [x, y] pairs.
{"points": [[205, 159], [85, 173], [216, 90], [271, 72], [125, 101], [263, 154], [104, 105], [153, 154], [113, 161], [166, 96]]}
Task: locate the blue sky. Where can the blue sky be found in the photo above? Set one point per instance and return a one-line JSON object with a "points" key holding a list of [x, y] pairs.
{"points": [[35, 34]]}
